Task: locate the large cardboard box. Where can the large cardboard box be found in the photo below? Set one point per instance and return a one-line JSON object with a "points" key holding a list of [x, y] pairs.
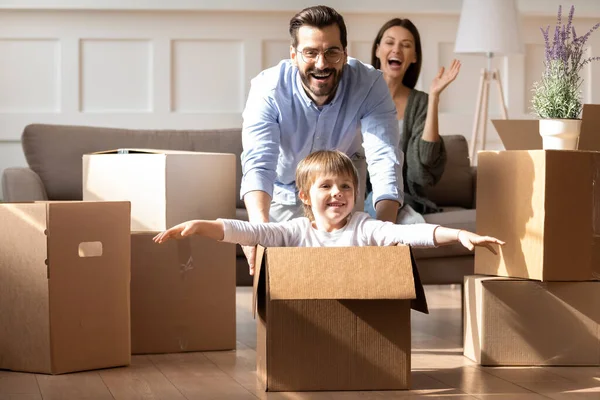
{"points": [[524, 322], [334, 318], [524, 134], [182, 295], [546, 206], [64, 286], [165, 187]]}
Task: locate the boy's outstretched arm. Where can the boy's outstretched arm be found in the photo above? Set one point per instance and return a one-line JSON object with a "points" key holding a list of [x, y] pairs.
{"points": [[468, 239], [209, 229]]}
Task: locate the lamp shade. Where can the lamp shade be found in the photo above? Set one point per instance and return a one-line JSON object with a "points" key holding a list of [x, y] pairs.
{"points": [[489, 26]]}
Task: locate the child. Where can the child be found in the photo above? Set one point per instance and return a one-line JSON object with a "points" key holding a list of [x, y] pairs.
{"points": [[328, 185]]}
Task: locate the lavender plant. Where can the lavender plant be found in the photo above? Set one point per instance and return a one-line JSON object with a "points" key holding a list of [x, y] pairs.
{"points": [[558, 93]]}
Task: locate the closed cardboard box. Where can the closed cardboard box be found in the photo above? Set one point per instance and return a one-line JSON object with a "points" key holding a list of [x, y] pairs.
{"points": [[182, 295], [64, 286], [525, 322], [165, 187], [545, 204], [334, 318]]}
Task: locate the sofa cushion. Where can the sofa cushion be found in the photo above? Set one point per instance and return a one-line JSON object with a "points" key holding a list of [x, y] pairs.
{"points": [[54, 152], [455, 188]]}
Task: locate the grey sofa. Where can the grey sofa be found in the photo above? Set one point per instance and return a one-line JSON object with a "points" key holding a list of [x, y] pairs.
{"points": [[54, 154]]}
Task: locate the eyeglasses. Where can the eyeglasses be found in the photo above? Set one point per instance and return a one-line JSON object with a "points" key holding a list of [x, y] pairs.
{"points": [[332, 56]]}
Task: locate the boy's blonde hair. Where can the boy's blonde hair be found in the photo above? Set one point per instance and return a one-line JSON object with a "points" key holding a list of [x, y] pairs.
{"points": [[323, 162]]}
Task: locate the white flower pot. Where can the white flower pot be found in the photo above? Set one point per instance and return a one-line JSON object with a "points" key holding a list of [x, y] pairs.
{"points": [[560, 134]]}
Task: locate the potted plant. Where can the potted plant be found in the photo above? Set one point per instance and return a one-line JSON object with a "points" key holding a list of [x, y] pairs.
{"points": [[557, 96]]}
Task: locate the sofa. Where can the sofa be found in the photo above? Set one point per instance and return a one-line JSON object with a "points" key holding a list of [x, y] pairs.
{"points": [[54, 172]]}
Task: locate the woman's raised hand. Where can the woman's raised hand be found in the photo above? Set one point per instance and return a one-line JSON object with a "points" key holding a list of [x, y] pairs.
{"points": [[444, 78]]}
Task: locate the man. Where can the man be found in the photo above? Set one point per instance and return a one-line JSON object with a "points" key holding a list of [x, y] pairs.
{"points": [[318, 100]]}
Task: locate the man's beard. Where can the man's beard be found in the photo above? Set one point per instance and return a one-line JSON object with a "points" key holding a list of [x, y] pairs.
{"points": [[321, 89]]}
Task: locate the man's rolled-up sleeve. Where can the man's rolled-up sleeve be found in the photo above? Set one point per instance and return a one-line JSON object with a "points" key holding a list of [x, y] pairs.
{"points": [[381, 141], [260, 140]]}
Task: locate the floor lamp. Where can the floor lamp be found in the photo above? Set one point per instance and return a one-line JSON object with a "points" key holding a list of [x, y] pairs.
{"points": [[488, 27], [488, 76]]}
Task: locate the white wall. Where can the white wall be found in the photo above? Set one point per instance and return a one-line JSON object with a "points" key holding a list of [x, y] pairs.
{"points": [[188, 64]]}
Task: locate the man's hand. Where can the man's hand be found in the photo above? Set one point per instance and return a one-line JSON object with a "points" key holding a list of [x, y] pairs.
{"points": [[387, 210], [250, 253], [258, 204]]}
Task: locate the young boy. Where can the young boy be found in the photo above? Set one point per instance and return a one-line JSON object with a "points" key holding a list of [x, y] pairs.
{"points": [[328, 185]]}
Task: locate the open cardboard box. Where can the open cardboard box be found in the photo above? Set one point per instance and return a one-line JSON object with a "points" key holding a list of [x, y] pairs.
{"points": [[335, 318], [523, 134], [544, 203]]}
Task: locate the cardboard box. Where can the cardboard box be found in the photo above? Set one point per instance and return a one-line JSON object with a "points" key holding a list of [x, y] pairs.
{"points": [[182, 295], [64, 286], [524, 322], [334, 318], [546, 206], [165, 187], [524, 134]]}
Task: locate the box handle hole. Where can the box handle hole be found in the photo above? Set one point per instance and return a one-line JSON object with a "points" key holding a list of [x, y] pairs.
{"points": [[90, 249]]}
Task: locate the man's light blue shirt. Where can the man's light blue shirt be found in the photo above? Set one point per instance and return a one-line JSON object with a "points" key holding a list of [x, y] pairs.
{"points": [[282, 125]]}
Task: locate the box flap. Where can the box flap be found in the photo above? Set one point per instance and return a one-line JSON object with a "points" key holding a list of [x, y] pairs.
{"points": [[589, 138], [419, 303], [519, 134], [340, 273], [24, 302], [142, 151], [524, 134], [260, 251]]}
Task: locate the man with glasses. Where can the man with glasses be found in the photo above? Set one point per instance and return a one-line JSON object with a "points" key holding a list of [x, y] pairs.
{"points": [[319, 99]]}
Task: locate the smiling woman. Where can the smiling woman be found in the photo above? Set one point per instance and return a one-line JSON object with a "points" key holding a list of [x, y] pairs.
{"points": [[398, 54]]}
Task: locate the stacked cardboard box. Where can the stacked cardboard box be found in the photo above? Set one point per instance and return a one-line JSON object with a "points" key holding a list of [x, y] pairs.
{"points": [[335, 318], [541, 304], [182, 292], [64, 286]]}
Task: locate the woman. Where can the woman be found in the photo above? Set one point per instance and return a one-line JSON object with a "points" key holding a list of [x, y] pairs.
{"points": [[397, 53]]}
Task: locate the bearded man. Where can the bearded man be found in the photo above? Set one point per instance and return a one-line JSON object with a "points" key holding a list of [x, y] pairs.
{"points": [[320, 99]]}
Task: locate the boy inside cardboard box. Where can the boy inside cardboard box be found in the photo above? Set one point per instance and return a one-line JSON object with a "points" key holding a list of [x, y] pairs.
{"points": [[327, 183]]}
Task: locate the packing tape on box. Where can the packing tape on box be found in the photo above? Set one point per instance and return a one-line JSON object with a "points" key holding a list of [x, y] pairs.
{"points": [[184, 254]]}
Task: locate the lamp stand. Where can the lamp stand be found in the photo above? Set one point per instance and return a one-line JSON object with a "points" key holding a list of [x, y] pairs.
{"points": [[481, 111]]}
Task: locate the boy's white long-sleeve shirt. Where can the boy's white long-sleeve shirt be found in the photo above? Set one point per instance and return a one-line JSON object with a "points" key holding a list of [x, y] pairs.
{"points": [[361, 230]]}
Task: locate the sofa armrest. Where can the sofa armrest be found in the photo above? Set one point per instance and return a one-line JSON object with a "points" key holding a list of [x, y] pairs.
{"points": [[22, 184], [474, 181]]}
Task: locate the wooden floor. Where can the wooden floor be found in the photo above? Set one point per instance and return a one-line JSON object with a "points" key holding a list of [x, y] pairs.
{"points": [[439, 370]]}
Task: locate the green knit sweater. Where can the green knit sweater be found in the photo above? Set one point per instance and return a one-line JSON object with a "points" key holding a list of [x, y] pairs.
{"points": [[424, 161]]}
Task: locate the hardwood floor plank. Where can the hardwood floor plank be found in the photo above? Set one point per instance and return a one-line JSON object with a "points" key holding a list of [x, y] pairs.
{"points": [[80, 385], [239, 365], [142, 380], [196, 377], [565, 390], [21, 396], [18, 383], [475, 381]]}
